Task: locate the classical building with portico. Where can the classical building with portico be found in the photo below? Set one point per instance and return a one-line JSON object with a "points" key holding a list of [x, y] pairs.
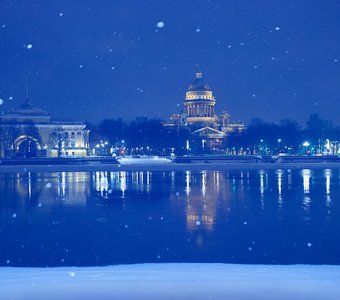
{"points": [[28, 131]]}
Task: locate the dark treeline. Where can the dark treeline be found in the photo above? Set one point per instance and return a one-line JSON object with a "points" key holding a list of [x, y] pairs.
{"points": [[319, 136], [149, 136], [140, 136]]}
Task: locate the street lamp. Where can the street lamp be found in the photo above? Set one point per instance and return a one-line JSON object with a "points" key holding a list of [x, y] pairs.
{"points": [[278, 145], [306, 144]]}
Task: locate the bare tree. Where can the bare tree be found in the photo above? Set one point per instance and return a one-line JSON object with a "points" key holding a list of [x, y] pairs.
{"points": [[10, 132], [59, 139]]}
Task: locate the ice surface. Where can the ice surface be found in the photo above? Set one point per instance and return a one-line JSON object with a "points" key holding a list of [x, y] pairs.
{"points": [[172, 281]]}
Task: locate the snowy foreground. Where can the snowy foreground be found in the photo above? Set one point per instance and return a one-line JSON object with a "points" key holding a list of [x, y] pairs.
{"points": [[172, 281]]}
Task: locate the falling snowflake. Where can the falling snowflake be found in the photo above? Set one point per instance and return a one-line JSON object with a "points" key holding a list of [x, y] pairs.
{"points": [[160, 24], [198, 223], [277, 28], [198, 30], [1, 101], [29, 46], [48, 185], [61, 14], [309, 244], [72, 274]]}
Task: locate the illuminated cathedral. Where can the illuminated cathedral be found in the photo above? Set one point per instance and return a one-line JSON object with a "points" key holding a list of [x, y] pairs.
{"points": [[200, 117]]}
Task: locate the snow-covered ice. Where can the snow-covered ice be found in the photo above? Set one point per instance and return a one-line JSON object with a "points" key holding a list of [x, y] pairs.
{"points": [[172, 281]]}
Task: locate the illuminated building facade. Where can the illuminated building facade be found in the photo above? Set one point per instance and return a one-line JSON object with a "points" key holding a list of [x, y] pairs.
{"points": [[200, 117], [28, 131], [199, 103]]}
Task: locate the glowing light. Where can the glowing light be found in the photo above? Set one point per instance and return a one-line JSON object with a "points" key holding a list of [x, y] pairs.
{"points": [[328, 174], [187, 181]]}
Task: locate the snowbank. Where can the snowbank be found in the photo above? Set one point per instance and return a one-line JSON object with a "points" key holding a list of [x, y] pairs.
{"points": [[172, 281]]}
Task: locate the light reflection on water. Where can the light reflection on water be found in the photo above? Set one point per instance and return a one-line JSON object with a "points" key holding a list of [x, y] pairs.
{"points": [[74, 188], [200, 205]]}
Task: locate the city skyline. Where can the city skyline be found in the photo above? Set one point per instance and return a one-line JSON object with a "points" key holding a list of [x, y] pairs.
{"points": [[89, 61]]}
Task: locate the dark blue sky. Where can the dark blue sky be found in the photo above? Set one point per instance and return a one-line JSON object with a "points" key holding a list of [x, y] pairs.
{"points": [[96, 59]]}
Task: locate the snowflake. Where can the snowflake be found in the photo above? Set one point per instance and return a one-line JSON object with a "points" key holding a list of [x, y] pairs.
{"points": [[160, 24]]}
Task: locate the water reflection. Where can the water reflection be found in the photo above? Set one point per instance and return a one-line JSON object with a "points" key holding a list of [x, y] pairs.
{"points": [[306, 175], [201, 204], [328, 175], [68, 188], [202, 194], [184, 215], [279, 174]]}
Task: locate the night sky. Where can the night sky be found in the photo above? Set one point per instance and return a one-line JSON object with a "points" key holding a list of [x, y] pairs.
{"points": [[90, 60]]}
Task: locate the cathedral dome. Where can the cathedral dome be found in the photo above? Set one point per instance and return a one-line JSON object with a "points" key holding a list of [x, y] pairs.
{"points": [[199, 84]]}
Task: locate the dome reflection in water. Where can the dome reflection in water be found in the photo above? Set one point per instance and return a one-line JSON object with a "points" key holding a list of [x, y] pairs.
{"points": [[102, 218]]}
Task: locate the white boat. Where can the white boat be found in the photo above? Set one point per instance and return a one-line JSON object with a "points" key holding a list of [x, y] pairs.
{"points": [[145, 160]]}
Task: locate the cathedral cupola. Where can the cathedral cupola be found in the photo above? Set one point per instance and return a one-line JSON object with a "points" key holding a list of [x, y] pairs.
{"points": [[199, 104]]}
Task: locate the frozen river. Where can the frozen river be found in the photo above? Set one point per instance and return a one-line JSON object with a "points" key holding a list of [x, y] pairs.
{"points": [[107, 218]]}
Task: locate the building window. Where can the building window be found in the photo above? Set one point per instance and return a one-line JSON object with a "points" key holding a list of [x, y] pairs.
{"points": [[79, 132]]}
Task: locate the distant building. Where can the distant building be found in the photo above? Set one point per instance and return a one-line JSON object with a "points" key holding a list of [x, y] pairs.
{"points": [[28, 131], [200, 117]]}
